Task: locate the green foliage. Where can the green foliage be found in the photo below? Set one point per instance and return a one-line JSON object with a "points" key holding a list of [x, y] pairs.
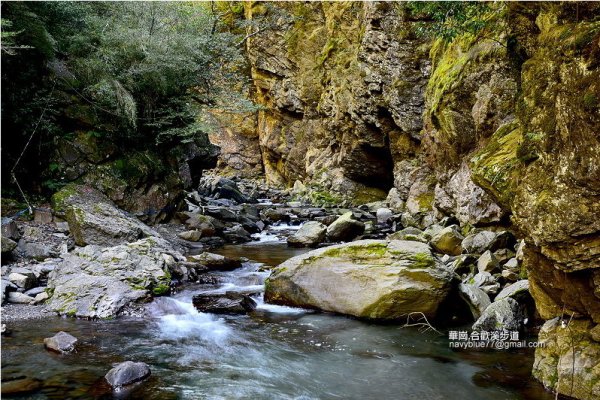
{"points": [[451, 18]]}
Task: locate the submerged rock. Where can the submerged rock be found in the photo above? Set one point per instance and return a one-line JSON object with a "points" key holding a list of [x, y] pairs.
{"points": [[368, 278], [62, 342], [99, 282], [310, 234], [228, 303], [126, 373]]}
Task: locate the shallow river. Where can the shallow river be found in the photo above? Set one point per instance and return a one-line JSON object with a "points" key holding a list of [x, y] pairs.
{"points": [[276, 353]]}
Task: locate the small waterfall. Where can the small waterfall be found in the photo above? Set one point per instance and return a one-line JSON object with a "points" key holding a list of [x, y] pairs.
{"points": [[178, 319]]}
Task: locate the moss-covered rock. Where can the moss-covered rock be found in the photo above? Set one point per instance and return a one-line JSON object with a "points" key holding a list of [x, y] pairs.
{"points": [[368, 278]]}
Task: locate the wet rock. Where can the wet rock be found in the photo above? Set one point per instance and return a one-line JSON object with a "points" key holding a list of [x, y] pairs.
{"points": [[518, 291], [488, 263], [222, 188], [23, 279], [19, 298], [448, 241], [569, 360], [368, 278], [345, 228], [95, 282], [237, 234], [228, 303], [476, 298], [310, 234], [216, 262], [94, 219], [501, 315], [62, 342], [127, 373], [275, 215], [192, 236]]}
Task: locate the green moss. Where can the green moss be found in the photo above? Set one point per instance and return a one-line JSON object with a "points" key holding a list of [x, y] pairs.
{"points": [[373, 250], [425, 201], [60, 199], [495, 167], [161, 289], [422, 260]]}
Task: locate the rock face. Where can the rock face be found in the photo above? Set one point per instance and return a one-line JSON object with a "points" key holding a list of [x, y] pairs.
{"points": [[310, 234], [99, 282], [94, 219], [567, 362], [368, 278], [126, 373], [62, 342], [350, 68]]}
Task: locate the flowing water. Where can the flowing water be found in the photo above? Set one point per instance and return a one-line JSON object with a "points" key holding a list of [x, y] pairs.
{"points": [[275, 353]]}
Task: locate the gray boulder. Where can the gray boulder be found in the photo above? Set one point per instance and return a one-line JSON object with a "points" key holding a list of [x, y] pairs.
{"points": [[19, 298], [23, 279], [501, 315], [368, 278], [345, 228], [94, 219], [480, 241], [97, 282], [7, 287], [447, 241], [486, 282], [488, 263], [384, 215], [518, 291], [310, 234], [126, 373], [476, 298], [62, 342]]}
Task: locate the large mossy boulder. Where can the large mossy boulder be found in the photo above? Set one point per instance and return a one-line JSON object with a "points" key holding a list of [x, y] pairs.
{"points": [[374, 279], [95, 282], [94, 219]]}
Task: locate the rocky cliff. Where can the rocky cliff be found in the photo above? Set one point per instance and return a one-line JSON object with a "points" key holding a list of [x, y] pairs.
{"points": [[498, 128]]}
